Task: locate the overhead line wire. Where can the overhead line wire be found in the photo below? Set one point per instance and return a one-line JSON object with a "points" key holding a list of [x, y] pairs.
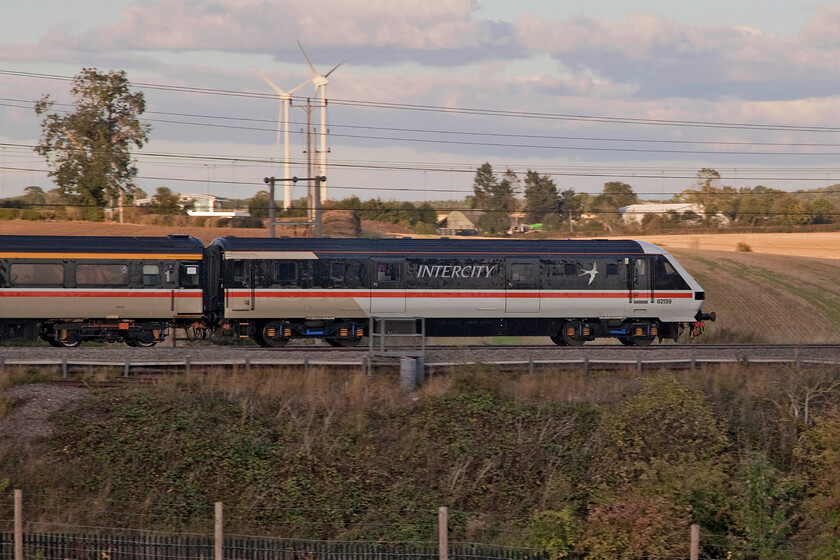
{"points": [[461, 110]]}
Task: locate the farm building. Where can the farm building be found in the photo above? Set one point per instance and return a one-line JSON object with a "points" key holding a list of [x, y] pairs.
{"points": [[637, 212]]}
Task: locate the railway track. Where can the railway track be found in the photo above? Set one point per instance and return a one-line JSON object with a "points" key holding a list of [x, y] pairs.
{"points": [[209, 355]]}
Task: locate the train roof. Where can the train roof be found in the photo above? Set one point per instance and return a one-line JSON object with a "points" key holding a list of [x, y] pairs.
{"points": [[172, 244], [408, 246]]}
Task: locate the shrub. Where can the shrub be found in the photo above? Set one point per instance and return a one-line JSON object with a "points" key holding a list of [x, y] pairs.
{"points": [[742, 247]]}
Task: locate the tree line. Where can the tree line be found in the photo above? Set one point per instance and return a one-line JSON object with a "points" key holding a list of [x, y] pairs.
{"points": [[719, 205]]}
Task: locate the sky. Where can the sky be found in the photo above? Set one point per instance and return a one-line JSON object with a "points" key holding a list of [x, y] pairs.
{"points": [[588, 92]]}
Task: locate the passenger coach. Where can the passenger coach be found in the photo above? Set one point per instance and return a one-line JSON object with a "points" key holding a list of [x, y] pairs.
{"points": [[70, 289], [571, 291]]}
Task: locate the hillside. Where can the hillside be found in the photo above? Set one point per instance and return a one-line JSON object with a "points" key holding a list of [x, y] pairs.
{"points": [[616, 464]]}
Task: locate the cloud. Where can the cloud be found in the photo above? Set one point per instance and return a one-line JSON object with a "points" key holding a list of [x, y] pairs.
{"points": [[665, 58], [823, 28], [375, 31]]}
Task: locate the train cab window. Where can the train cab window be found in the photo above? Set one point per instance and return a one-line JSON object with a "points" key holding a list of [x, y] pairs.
{"points": [[36, 274], [666, 276], [387, 272], [189, 275], [151, 274], [286, 273], [101, 275]]}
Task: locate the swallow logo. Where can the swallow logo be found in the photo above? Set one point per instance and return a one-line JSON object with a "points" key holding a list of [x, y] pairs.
{"points": [[592, 272]]}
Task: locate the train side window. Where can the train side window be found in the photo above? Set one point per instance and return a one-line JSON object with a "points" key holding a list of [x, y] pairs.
{"points": [[102, 275], [36, 274], [355, 274], [286, 273], [612, 269], [337, 270], [151, 274], [189, 275], [570, 269], [387, 272]]}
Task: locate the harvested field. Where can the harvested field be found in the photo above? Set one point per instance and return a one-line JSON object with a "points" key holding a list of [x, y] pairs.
{"points": [[821, 245], [767, 298], [206, 234]]}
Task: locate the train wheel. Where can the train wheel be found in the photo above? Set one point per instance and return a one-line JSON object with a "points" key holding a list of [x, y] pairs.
{"points": [[71, 340], [138, 343], [572, 339], [257, 336], [343, 342], [626, 341], [646, 341], [558, 340], [269, 335]]}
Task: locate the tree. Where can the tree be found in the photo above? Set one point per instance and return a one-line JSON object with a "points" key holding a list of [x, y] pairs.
{"points": [[258, 205], [615, 195], [166, 202], [34, 196], [822, 211], [89, 148], [498, 199], [787, 210], [541, 198], [485, 182]]}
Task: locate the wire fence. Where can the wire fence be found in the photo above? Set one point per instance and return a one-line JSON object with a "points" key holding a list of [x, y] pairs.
{"points": [[79, 546]]}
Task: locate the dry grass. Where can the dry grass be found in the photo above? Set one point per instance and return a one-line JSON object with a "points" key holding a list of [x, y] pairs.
{"points": [[820, 245]]}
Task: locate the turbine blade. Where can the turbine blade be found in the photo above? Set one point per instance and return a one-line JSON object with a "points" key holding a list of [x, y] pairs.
{"points": [[314, 73], [333, 69], [291, 91], [279, 91]]}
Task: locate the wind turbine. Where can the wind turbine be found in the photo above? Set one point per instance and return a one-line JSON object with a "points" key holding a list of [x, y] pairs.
{"points": [[320, 82], [283, 129]]}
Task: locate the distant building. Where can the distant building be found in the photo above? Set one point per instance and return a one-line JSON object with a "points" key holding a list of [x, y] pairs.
{"points": [[460, 222], [637, 212], [203, 205]]}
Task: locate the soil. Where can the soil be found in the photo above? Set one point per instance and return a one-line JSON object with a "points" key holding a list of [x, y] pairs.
{"points": [[29, 408]]}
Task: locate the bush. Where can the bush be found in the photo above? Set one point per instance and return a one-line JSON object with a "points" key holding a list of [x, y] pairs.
{"points": [[742, 247]]}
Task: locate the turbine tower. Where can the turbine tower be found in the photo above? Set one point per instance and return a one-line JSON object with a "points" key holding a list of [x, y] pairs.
{"points": [[320, 82], [283, 130]]}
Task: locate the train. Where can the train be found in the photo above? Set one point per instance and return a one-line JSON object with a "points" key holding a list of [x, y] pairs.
{"points": [[68, 290]]}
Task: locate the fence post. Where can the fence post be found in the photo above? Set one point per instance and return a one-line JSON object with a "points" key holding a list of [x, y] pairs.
{"points": [[443, 534], [694, 553], [219, 555], [18, 525]]}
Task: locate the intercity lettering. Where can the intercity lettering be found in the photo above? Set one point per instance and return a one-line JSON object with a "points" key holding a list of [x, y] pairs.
{"points": [[455, 271]]}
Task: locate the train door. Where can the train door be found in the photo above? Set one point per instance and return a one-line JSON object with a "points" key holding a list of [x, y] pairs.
{"points": [[387, 292], [641, 281], [240, 294], [187, 300], [522, 286]]}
